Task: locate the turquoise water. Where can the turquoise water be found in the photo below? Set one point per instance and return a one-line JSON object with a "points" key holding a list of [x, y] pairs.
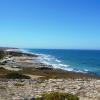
{"points": [[87, 61]]}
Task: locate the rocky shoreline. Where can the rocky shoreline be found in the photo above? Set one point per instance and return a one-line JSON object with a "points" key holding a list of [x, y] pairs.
{"points": [[43, 78]]}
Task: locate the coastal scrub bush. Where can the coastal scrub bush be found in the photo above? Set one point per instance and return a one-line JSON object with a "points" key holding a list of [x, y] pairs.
{"points": [[14, 53], [2, 54], [39, 98], [15, 75], [19, 84], [58, 96]]}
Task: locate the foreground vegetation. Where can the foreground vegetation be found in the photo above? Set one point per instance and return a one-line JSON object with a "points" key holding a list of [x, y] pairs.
{"points": [[58, 96]]}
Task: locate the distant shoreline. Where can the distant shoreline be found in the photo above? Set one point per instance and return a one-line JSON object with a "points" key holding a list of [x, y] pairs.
{"points": [[46, 57], [28, 65]]}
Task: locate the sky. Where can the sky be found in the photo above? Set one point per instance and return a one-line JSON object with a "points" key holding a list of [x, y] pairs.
{"points": [[63, 24]]}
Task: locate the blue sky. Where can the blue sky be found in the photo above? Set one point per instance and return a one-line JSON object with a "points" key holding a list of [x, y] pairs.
{"points": [[70, 24]]}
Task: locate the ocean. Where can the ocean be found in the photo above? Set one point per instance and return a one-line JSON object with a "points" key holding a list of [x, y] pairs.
{"points": [[85, 61]]}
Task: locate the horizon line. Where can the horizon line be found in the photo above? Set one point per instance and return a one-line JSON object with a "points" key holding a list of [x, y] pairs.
{"points": [[50, 48]]}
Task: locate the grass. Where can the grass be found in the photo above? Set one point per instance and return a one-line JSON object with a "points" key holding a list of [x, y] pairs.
{"points": [[57, 96], [15, 75], [19, 84], [55, 73], [47, 73]]}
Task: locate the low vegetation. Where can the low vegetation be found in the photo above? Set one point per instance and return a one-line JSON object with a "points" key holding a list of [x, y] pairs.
{"points": [[14, 53], [58, 96], [55, 73], [15, 75], [19, 84], [2, 54], [2, 87]]}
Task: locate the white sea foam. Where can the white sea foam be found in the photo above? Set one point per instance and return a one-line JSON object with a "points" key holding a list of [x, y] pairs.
{"points": [[64, 65], [81, 71], [58, 60], [85, 70], [26, 51], [63, 68]]}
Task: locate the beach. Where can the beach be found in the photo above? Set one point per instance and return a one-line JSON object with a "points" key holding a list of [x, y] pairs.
{"points": [[43, 78]]}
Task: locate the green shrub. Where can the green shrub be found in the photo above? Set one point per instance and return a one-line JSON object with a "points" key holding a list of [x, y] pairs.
{"points": [[58, 96], [39, 98], [19, 84], [15, 75]]}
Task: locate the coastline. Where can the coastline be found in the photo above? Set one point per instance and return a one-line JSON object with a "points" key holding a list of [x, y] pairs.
{"points": [[56, 66], [43, 78], [70, 60], [18, 59]]}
